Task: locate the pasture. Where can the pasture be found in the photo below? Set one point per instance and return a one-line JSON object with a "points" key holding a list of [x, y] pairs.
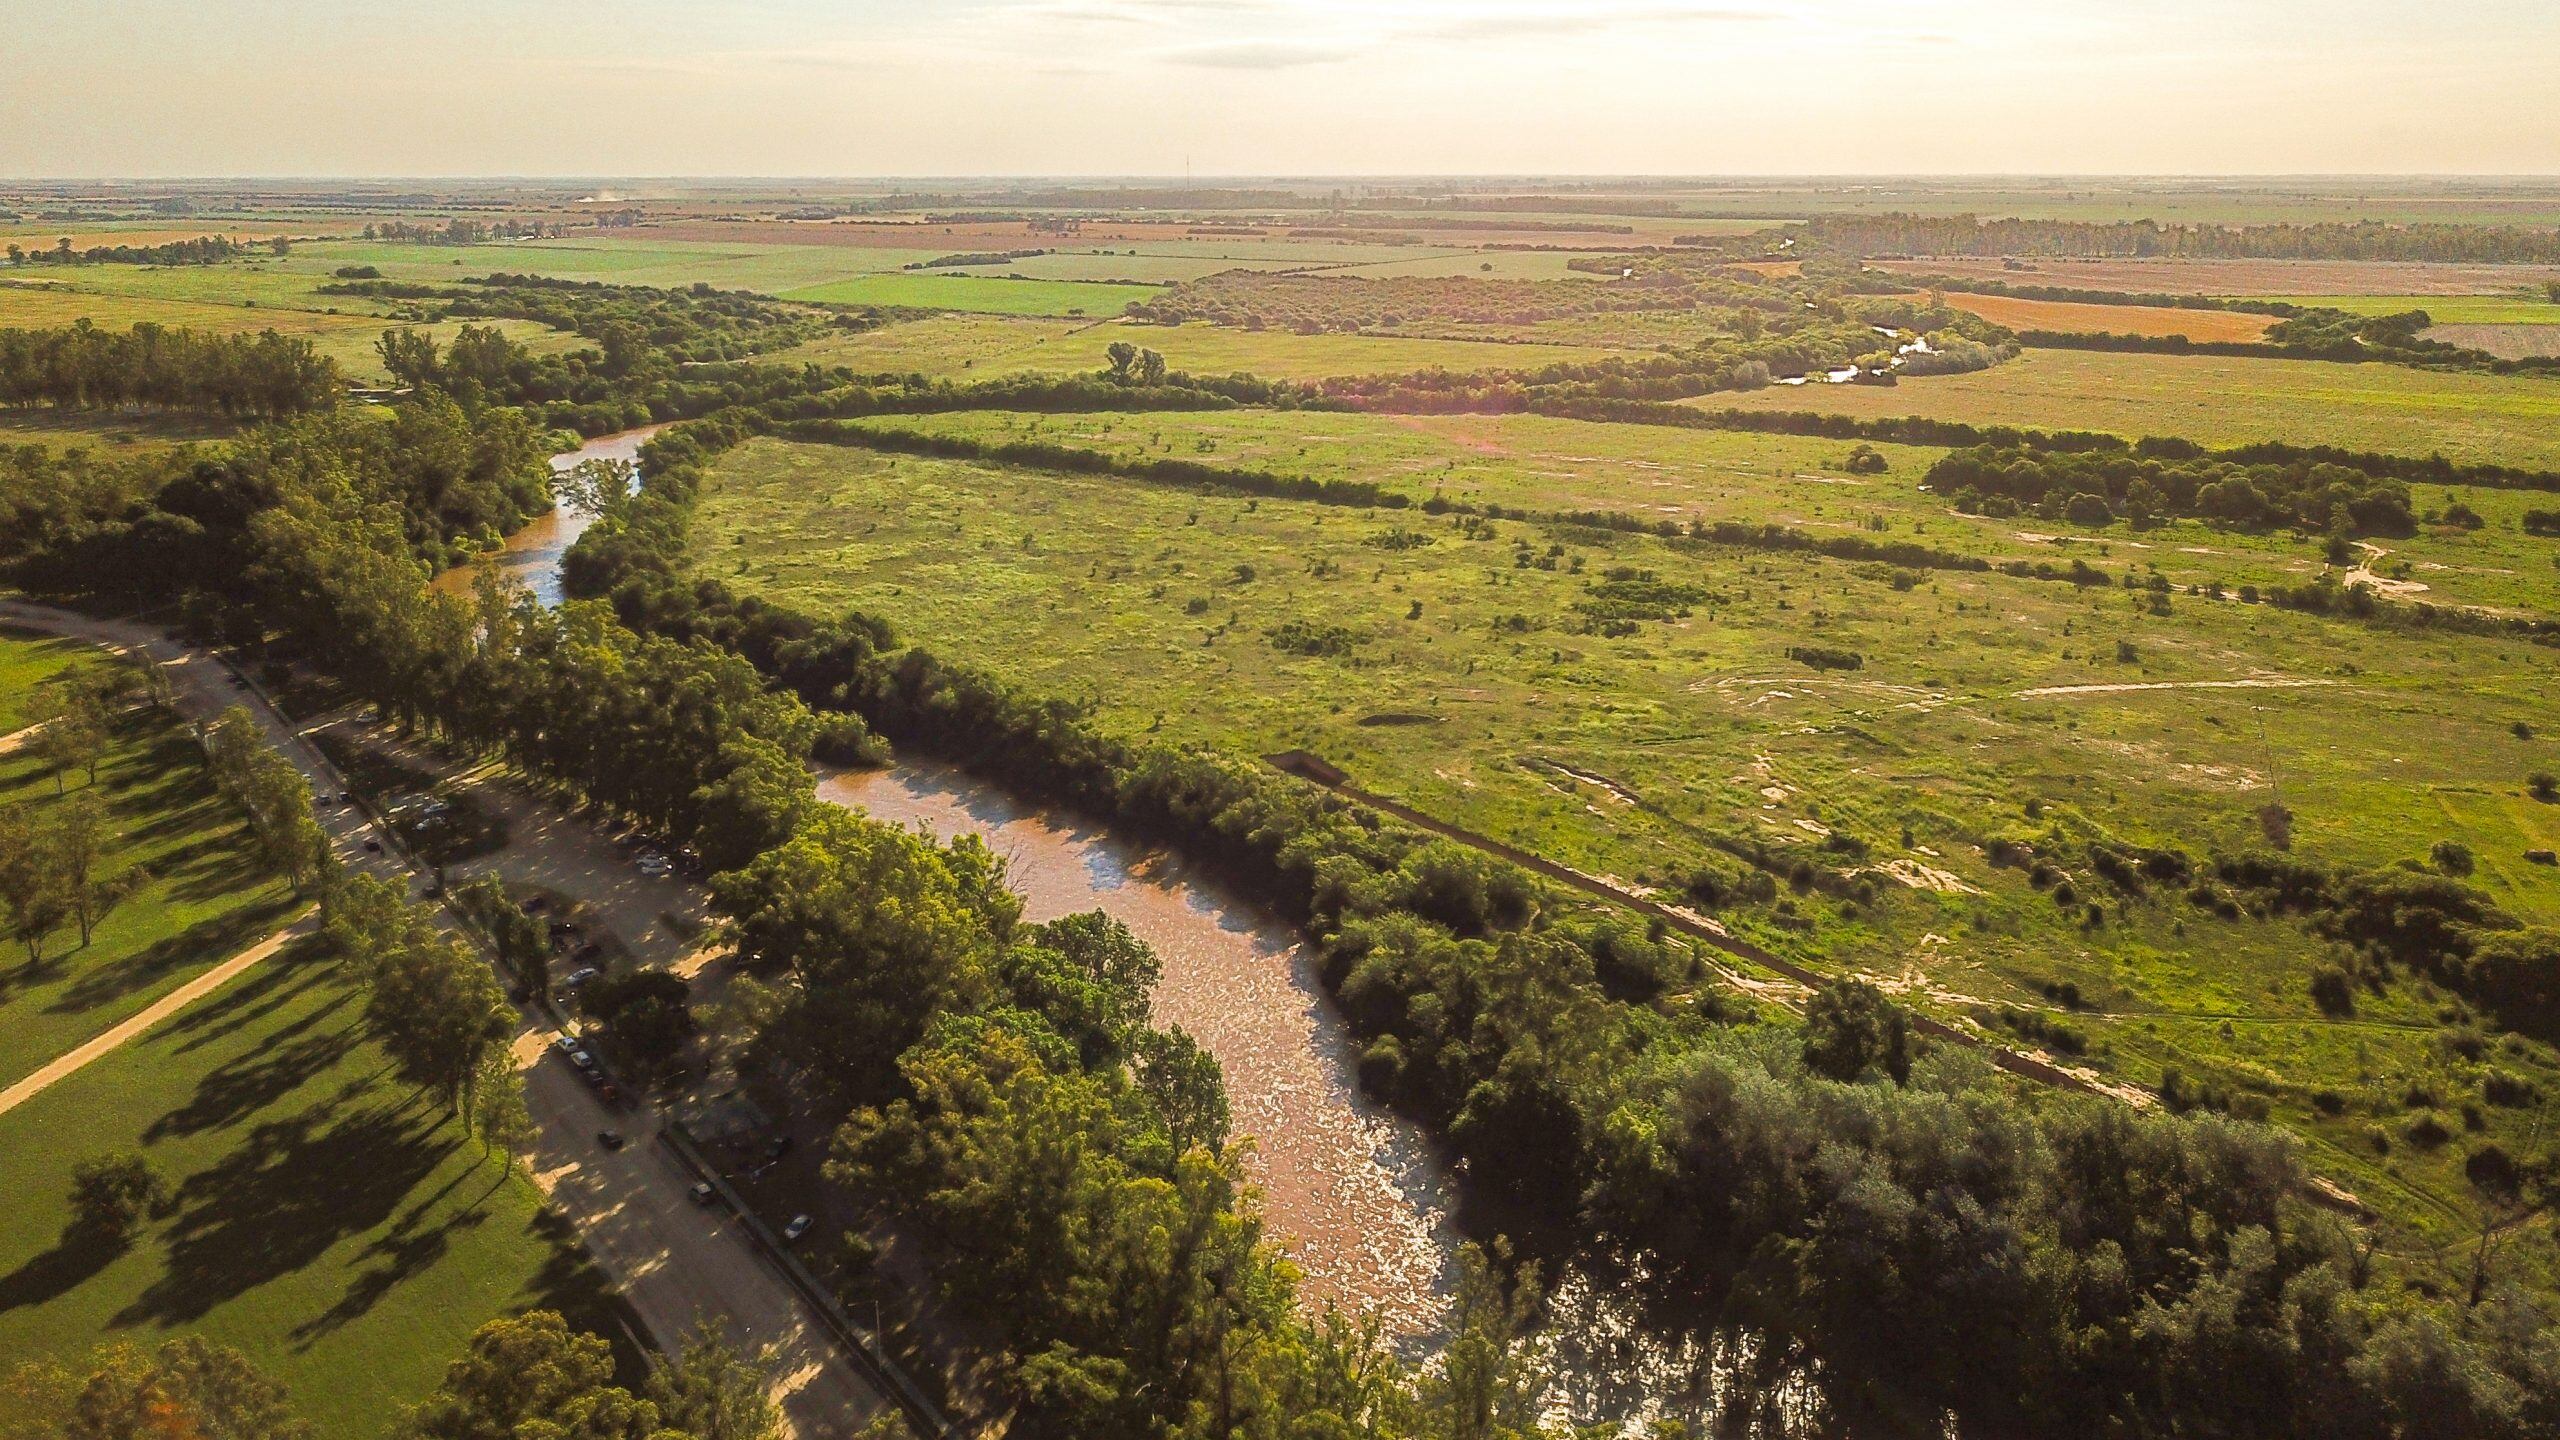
{"points": [[979, 346], [1456, 667], [2511, 420], [940, 291]]}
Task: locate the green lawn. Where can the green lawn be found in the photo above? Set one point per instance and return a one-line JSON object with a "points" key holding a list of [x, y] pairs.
{"points": [[2512, 420], [1465, 682], [206, 899], [27, 661], [938, 291], [329, 1221], [131, 432]]}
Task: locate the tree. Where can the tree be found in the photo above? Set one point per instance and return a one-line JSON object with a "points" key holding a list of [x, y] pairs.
{"points": [[31, 891], [646, 1018], [1492, 1373], [497, 1110], [532, 1376], [714, 1391], [1851, 1028], [114, 1192], [1123, 357], [522, 940], [74, 736], [74, 838], [189, 1389]]}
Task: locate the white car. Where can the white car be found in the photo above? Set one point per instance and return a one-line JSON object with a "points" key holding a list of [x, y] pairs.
{"points": [[798, 1227]]}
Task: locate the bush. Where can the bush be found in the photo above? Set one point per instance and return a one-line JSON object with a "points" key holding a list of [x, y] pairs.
{"points": [[2452, 857], [2334, 992], [113, 1193], [2543, 786]]}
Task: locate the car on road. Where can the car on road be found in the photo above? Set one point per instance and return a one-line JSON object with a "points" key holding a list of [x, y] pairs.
{"points": [[581, 976], [373, 847], [798, 1227], [583, 1060], [609, 1139], [778, 1147], [702, 1192], [566, 1043]]}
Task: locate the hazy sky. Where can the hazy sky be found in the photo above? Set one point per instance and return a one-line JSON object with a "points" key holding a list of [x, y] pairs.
{"points": [[976, 87]]}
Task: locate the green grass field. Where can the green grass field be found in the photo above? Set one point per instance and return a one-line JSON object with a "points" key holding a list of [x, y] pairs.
{"points": [[937, 291], [329, 1221], [224, 300], [1533, 462], [1465, 683], [2443, 309], [206, 899], [980, 345], [26, 662], [123, 432], [2508, 420]]}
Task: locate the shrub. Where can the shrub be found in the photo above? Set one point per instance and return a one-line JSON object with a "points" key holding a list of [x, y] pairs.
{"points": [[113, 1193], [2452, 857]]}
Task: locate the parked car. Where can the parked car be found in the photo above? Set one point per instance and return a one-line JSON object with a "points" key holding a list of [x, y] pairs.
{"points": [[565, 1043], [702, 1192], [798, 1227], [581, 976], [778, 1147], [609, 1139], [583, 1060]]}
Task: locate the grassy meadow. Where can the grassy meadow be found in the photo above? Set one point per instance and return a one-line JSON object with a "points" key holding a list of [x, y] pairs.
{"points": [[2512, 420], [1452, 670], [981, 346]]}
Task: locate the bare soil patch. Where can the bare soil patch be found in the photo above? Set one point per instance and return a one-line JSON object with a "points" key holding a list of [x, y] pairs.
{"points": [[2113, 319], [2508, 342]]}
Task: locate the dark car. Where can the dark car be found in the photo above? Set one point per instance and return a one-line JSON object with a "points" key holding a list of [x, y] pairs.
{"points": [[609, 1139], [778, 1147], [702, 1192]]}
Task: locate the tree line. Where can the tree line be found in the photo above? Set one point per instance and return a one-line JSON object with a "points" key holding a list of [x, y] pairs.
{"points": [[203, 250], [2095, 488], [82, 367], [1873, 236]]}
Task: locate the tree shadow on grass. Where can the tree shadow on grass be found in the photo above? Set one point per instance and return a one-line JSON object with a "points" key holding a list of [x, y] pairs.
{"points": [[402, 1254], [291, 974], [195, 947], [285, 1196], [247, 1084], [78, 1255]]}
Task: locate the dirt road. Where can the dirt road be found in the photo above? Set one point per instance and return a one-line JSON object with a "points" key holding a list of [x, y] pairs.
{"points": [[62, 1068]]}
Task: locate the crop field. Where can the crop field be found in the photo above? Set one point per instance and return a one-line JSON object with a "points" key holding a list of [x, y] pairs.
{"points": [[2511, 342], [979, 346], [1447, 665], [767, 267], [2113, 319], [349, 339], [329, 1221], [2170, 202], [2304, 280], [2512, 420], [976, 293], [203, 899], [2444, 309]]}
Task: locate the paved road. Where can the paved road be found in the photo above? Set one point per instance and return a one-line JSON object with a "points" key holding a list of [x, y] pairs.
{"points": [[678, 1265]]}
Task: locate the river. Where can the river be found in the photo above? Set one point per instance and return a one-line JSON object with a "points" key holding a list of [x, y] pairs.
{"points": [[1357, 1195], [533, 553]]}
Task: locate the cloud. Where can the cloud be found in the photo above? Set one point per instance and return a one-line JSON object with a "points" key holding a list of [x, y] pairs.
{"points": [[1261, 55], [1585, 20]]}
